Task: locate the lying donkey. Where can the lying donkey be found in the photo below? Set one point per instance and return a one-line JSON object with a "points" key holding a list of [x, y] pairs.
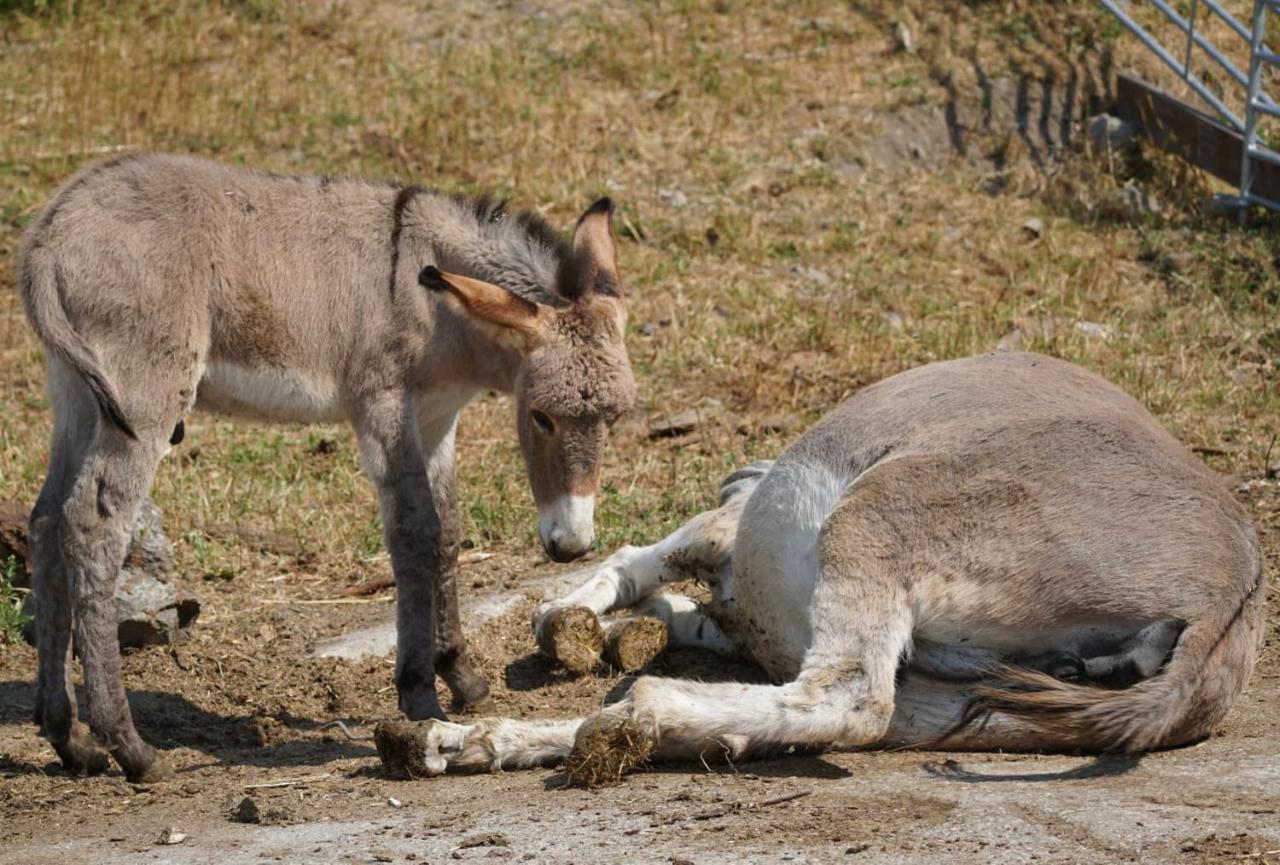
{"points": [[163, 283], [1002, 552]]}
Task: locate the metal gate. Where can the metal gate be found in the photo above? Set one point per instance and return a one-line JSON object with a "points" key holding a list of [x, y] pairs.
{"points": [[1255, 103]]}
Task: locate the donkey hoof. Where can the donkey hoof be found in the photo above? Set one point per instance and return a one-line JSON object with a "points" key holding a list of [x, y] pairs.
{"points": [[424, 749], [470, 689], [86, 762], [159, 769], [607, 748], [573, 636], [633, 644], [80, 754]]}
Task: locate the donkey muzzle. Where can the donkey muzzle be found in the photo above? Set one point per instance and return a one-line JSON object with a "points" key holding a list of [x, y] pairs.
{"points": [[566, 528]]}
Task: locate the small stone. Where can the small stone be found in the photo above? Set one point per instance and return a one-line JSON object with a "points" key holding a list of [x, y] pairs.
{"points": [[1092, 328], [1014, 340], [1129, 203], [673, 198], [902, 35], [1034, 227], [1106, 132], [812, 274], [171, 836], [893, 320], [394, 802]]}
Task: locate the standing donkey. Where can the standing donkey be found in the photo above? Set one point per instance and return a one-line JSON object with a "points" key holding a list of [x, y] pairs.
{"points": [[1000, 552], [163, 283]]}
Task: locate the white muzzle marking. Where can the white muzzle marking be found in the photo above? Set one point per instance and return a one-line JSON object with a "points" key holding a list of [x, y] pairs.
{"points": [[566, 526]]}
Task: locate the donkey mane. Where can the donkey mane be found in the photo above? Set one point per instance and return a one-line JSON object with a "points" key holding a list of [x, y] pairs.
{"points": [[518, 250]]}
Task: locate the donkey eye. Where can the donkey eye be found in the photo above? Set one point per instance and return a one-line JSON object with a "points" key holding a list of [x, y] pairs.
{"points": [[543, 421]]}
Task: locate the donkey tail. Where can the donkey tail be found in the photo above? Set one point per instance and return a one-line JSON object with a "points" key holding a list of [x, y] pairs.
{"points": [[38, 280], [1209, 666]]}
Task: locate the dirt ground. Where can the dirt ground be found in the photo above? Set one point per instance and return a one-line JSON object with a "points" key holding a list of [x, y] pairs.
{"points": [[859, 208], [240, 706]]}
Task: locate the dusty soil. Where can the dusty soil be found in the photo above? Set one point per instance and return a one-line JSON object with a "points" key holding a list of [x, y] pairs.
{"points": [[240, 706]]}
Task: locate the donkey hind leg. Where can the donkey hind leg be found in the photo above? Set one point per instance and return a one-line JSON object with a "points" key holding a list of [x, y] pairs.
{"points": [[568, 629], [844, 694], [100, 511], [452, 661], [75, 422]]}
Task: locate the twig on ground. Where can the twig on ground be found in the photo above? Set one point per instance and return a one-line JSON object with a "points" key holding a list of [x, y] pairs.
{"points": [[736, 807], [288, 782]]}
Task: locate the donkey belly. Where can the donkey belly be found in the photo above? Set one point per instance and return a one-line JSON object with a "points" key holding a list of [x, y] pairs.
{"points": [[775, 561], [268, 393]]}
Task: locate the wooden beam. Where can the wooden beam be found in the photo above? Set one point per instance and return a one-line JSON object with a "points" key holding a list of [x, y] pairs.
{"points": [[1193, 135]]}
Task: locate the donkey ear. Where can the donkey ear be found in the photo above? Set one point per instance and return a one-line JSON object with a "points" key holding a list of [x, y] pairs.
{"points": [[593, 265], [510, 315]]}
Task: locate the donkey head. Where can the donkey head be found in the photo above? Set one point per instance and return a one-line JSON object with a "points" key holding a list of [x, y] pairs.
{"points": [[574, 379]]}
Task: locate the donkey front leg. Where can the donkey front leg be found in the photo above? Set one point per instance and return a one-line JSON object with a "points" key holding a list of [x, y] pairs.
{"points": [[568, 628], [452, 662], [861, 621], [490, 745], [391, 451]]}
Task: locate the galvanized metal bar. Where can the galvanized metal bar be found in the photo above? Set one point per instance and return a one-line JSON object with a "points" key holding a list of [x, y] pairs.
{"points": [[1205, 45], [1191, 23], [1263, 153], [1160, 51], [1231, 20], [1250, 135], [1268, 108]]}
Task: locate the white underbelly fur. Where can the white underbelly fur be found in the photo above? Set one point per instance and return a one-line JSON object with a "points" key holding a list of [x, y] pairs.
{"points": [[775, 561], [268, 393]]}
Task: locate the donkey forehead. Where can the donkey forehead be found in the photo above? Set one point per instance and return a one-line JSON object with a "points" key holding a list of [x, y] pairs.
{"points": [[580, 381]]}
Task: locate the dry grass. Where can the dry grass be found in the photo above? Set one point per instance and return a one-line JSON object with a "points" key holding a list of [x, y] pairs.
{"points": [[799, 270]]}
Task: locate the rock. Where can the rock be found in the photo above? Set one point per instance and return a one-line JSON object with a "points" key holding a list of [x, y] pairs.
{"points": [[171, 836], [673, 198], [151, 551], [150, 609], [1034, 227], [812, 274], [902, 35], [893, 320], [13, 540], [1129, 203], [680, 423], [1014, 340], [1108, 133], [1092, 328]]}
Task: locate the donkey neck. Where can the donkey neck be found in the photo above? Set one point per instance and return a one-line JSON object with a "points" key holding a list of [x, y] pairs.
{"points": [[479, 239]]}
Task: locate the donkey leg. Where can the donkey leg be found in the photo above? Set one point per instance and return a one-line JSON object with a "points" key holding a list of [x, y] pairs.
{"points": [[452, 662], [701, 549], [100, 511], [689, 624], [490, 745], [55, 707], [861, 622], [391, 451]]}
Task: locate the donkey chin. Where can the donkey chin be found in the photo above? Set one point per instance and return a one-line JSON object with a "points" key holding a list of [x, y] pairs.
{"points": [[566, 528]]}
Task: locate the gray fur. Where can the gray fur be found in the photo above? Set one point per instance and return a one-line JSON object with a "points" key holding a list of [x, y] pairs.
{"points": [[162, 283]]}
